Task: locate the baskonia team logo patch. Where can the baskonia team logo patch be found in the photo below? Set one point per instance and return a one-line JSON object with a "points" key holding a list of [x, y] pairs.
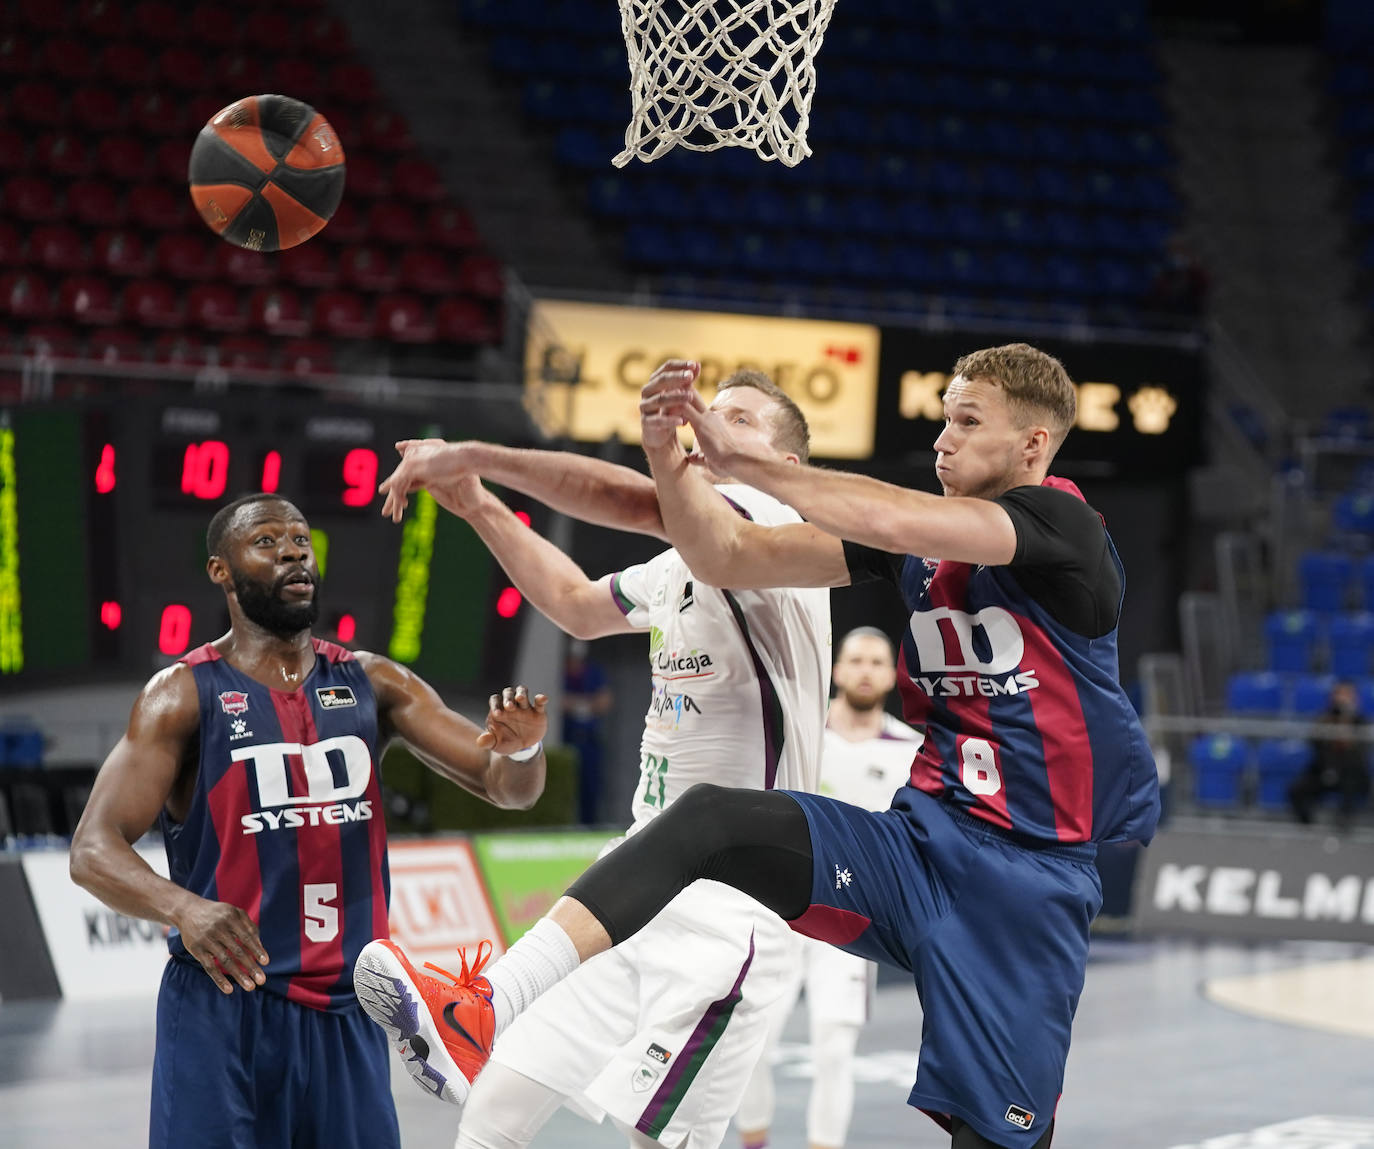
{"points": [[233, 702], [332, 697], [1021, 1118]]}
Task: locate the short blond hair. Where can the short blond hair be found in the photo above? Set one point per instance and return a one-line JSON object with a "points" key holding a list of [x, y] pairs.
{"points": [[1035, 384], [791, 433]]}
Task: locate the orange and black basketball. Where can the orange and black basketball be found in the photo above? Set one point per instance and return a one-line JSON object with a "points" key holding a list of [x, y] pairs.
{"points": [[267, 172]]}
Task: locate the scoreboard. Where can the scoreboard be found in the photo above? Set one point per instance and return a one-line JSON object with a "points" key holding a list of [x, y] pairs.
{"points": [[103, 511]]}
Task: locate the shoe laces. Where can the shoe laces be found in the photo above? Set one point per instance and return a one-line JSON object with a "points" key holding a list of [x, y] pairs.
{"points": [[468, 972]]}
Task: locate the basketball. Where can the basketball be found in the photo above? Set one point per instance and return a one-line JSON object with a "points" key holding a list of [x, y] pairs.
{"points": [[266, 172]]}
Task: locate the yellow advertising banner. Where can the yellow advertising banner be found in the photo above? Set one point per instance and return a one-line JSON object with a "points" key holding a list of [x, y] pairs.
{"points": [[586, 362]]}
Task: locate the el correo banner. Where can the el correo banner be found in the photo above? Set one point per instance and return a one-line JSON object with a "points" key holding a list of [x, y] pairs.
{"points": [[1276, 883], [586, 363]]}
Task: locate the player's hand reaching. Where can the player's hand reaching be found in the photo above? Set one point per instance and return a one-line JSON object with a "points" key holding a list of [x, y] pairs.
{"points": [[425, 464], [224, 939], [514, 721], [662, 399]]}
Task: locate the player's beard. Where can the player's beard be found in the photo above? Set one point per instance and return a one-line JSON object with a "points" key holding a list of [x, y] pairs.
{"points": [[862, 703], [262, 604]]}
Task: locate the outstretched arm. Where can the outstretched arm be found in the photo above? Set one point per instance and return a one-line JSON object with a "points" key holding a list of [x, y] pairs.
{"points": [[592, 490], [451, 745], [854, 507]]}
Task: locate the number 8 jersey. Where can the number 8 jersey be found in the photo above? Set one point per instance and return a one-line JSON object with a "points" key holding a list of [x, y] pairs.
{"points": [[286, 822], [740, 678]]}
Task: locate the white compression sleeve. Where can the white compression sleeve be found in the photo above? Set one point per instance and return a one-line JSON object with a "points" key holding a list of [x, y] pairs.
{"points": [[539, 960], [505, 1110]]}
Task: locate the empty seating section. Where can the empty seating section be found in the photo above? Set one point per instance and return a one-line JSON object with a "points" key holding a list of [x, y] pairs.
{"points": [[990, 151], [1350, 59], [100, 250]]}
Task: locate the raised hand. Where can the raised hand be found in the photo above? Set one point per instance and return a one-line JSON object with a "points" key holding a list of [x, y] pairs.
{"points": [[514, 721], [425, 464], [662, 401], [224, 939]]}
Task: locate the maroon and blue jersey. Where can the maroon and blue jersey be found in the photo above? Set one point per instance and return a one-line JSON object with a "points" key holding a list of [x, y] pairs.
{"points": [[286, 821], [1012, 671]]}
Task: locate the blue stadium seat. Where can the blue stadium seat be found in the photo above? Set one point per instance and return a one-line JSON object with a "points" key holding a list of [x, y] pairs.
{"points": [[1277, 762], [1219, 762], [1364, 687], [1255, 692], [1354, 513], [1325, 577], [1367, 581], [1351, 641], [1312, 694], [1293, 640]]}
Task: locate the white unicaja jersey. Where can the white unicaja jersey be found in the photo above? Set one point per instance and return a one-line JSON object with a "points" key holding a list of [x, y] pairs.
{"points": [[740, 678], [868, 773]]}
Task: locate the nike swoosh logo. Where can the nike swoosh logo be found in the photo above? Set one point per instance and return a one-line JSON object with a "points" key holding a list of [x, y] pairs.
{"points": [[463, 1033]]}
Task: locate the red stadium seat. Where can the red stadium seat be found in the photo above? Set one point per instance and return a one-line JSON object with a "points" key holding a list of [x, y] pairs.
{"points": [[404, 319], [427, 271], [238, 71], [103, 19], [451, 227], [393, 223], [184, 69], [174, 159], [152, 303], [17, 57], [67, 59], [243, 267], [299, 77], [328, 37], [482, 276], [127, 64], [185, 256], [64, 154], [96, 203], [277, 311], [348, 224], [124, 158], [159, 208], [270, 31], [307, 357], [208, 26], [115, 345], [57, 247], [158, 113], [88, 299], [342, 314], [215, 307], [14, 153], [367, 268], [11, 245], [465, 321], [32, 199], [26, 296], [384, 131], [157, 22], [418, 180], [100, 110], [366, 176], [179, 349], [309, 265], [244, 353], [352, 83], [53, 340], [43, 14], [37, 102], [122, 253]]}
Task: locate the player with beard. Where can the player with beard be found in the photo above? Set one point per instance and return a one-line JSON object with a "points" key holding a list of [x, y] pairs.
{"points": [[865, 759], [256, 755]]}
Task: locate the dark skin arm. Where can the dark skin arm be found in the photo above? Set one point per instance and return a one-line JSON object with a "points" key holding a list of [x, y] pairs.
{"points": [[148, 769], [456, 748]]}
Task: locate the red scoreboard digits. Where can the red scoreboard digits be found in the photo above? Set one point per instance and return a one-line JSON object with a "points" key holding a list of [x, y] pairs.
{"points": [[206, 467]]}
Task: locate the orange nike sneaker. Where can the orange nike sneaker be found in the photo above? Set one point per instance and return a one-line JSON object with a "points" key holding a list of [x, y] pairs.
{"points": [[443, 1030]]}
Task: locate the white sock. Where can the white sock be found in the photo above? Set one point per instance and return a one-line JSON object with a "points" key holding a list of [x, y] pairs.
{"points": [[538, 961]]}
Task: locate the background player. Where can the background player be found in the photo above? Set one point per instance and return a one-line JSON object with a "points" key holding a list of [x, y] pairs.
{"points": [[866, 758], [257, 755], [662, 1036], [980, 877]]}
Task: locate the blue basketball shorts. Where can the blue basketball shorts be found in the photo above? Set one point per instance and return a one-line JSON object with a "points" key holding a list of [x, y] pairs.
{"points": [[995, 934], [257, 1071]]}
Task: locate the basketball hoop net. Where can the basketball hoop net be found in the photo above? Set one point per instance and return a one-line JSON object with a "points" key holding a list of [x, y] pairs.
{"points": [[708, 74]]}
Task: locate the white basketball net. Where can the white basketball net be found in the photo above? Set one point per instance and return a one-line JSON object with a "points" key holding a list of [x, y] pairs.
{"points": [[708, 74]]}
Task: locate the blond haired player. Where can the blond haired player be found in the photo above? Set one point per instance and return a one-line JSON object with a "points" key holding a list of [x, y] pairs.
{"points": [[866, 759], [662, 1035]]}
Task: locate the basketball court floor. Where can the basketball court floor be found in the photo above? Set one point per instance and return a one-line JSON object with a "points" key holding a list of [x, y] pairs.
{"points": [[1177, 1046]]}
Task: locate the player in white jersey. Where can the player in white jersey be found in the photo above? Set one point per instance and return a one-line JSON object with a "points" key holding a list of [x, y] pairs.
{"points": [[866, 758], [662, 1034]]}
